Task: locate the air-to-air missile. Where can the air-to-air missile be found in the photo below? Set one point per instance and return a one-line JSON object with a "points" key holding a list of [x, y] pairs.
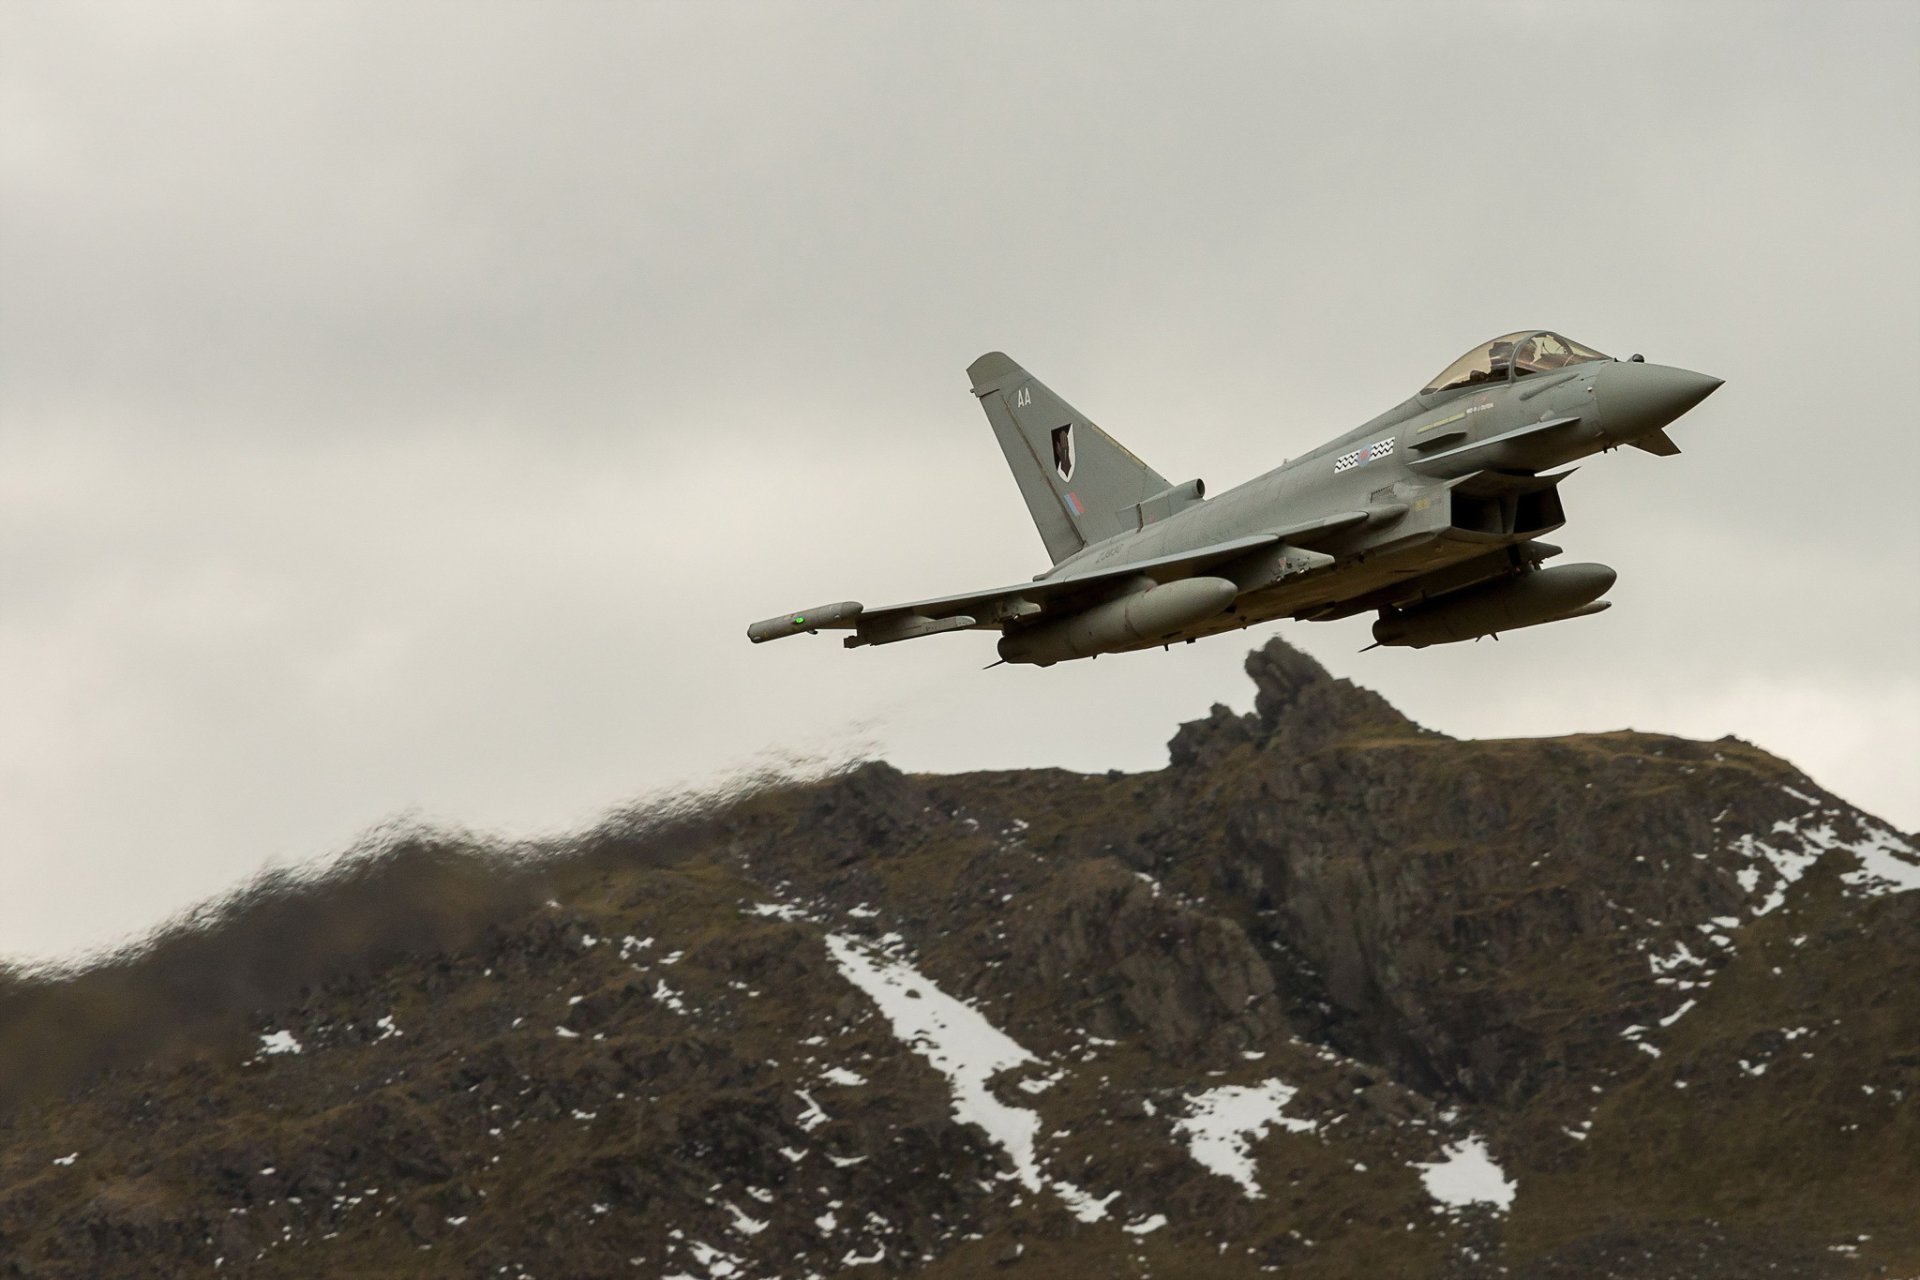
{"points": [[1431, 514]]}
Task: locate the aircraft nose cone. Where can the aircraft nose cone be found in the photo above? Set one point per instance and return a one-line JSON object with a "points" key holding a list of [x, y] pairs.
{"points": [[1638, 398]]}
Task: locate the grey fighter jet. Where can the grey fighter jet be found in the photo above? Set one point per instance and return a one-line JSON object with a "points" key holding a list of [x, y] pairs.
{"points": [[1431, 514]]}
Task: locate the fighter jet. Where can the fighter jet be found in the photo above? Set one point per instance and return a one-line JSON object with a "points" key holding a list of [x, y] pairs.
{"points": [[1431, 514]]}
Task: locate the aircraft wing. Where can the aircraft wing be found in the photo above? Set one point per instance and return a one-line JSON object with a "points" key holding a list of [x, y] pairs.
{"points": [[990, 608]]}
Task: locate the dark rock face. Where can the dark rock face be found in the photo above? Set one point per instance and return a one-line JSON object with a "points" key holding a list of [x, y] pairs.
{"points": [[1408, 870], [1300, 708], [1297, 710], [1176, 981], [1275, 1007]]}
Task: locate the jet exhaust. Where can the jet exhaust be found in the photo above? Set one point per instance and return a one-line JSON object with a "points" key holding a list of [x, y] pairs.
{"points": [[1120, 624], [1544, 595]]}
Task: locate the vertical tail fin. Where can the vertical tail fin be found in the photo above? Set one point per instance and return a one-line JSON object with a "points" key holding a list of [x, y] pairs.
{"points": [[1078, 481]]}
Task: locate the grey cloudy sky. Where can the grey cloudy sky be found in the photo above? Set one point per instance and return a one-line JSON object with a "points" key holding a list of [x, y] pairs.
{"points": [[404, 408]]}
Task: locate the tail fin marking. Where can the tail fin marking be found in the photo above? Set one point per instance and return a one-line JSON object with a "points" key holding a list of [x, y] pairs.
{"points": [[1079, 483]]}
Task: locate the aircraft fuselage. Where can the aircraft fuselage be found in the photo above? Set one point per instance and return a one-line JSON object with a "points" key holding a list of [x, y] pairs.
{"points": [[1431, 513], [1430, 531]]}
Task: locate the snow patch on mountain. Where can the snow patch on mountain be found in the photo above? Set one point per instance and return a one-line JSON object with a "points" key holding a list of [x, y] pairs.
{"points": [[1780, 858], [965, 1048], [1467, 1175], [1889, 863], [1222, 1125], [276, 1042]]}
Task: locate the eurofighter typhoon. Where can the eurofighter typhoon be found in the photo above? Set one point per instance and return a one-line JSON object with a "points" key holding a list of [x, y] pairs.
{"points": [[1432, 514]]}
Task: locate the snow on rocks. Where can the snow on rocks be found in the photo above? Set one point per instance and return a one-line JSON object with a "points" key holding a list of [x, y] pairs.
{"points": [[275, 1042], [965, 1048], [1888, 863], [1786, 853], [743, 1223], [1040, 1084], [1467, 1175], [1678, 1014], [1773, 864], [1682, 956], [718, 1263], [1222, 1124], [813, 1117]]}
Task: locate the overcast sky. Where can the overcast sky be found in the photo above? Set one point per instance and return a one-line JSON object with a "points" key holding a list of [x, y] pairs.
{"points": [[404, 408]]}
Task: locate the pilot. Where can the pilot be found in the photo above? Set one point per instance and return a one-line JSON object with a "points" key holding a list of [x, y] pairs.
{"points": [[1499, 356]]}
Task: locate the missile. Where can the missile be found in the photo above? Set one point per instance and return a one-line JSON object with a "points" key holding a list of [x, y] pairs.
{"points": [[1143, 615], [1544, 595], [792, 624]]}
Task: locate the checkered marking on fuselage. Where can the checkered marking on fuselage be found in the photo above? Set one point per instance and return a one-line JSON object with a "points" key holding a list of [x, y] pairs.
{"points": [[1361, 457]]}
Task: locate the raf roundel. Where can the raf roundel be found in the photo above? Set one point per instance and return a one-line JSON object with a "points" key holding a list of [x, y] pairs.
{"points": [[1361, 457]]}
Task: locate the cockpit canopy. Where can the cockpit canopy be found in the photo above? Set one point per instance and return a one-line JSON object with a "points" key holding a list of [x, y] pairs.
{"points": [[1512, 354]]}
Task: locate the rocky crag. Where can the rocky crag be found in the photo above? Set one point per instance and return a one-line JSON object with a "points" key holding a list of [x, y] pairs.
{"points": [[1332, 995]]}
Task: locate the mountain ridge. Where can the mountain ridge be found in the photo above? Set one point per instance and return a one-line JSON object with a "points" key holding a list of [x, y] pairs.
{"points": [[1331, 993]]}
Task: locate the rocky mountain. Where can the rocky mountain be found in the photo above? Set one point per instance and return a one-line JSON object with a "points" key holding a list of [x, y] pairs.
{"points": [[1331, 995]]}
